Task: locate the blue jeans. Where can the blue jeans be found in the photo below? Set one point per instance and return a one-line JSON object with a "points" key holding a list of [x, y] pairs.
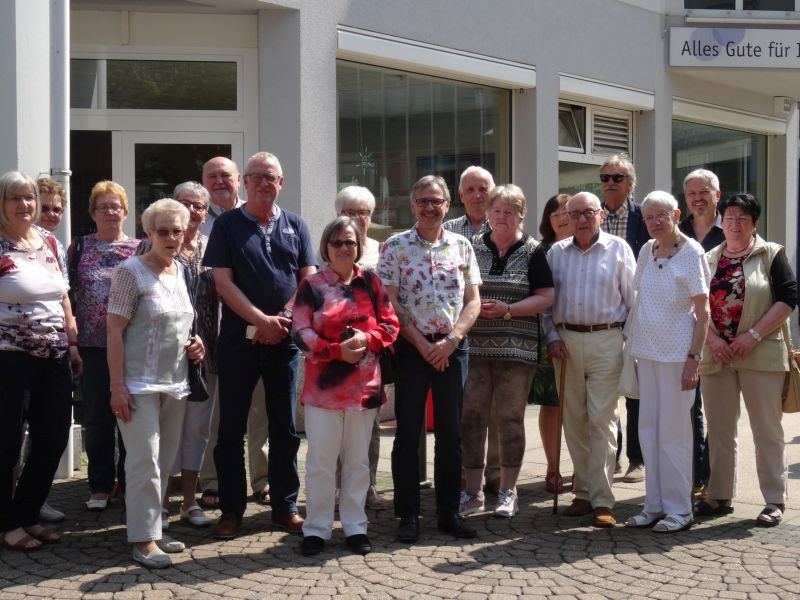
{"points": [[702, 464], [239, 370], [415, 378]]}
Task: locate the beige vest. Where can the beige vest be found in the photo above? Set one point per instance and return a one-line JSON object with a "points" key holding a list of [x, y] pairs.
{"points": [[770, 353]]}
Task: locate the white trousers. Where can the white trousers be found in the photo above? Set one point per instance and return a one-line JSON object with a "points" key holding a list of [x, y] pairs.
{"points": [[331, 434], [151, 441], [665, 434]]}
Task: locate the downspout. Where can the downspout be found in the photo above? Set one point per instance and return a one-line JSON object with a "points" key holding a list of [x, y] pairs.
{"points": [[59, 106]]}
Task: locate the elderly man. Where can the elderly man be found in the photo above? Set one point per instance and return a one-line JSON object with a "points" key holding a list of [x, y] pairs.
{"points": [[432, 279], [259, 254], [593, 275], [624, 219], [220, 177], [701, 191]]}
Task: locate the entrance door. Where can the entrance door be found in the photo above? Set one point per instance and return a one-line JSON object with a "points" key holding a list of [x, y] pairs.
{"points": [[150, 164]]}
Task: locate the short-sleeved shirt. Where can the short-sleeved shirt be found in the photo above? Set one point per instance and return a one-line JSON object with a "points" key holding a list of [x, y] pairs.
{"points": [[97, 263], [265, 260], [665, 317], [509, 279], [430, 277]]}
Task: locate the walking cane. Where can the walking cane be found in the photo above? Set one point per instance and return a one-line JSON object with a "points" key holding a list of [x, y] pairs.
{"points": [[561, 377]]}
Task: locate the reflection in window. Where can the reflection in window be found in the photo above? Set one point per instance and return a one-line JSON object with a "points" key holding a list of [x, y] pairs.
{"points": [[709, 4], [773, 5], [394, 127], [571, 127], [578, 177], [780, 5]]}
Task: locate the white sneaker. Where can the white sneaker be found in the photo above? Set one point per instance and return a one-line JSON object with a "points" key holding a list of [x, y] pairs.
{"points": [[506, 504], [48, 514], [471, 503], [170, 545]]}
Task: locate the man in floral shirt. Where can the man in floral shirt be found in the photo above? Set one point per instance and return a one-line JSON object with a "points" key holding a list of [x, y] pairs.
{"points": [[432, 279]]}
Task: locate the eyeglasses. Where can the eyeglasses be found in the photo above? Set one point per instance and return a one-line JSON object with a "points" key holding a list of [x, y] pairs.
{"points": [[20, 199], [259, 178], [615, 177], [425, 202], [170, 233], [737, 220], [660, 217], [586, 214], [356, 213], [349, 244], [56, 210], [196, 206], [110, 209]]}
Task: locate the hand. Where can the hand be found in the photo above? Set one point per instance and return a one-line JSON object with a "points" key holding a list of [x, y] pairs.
{"points": [[358, 341], [350, 353], [743, 344], [493, 309], [557, 349], [122, 404], [721, 349], [689, 375], [438, 353], [271, 330], [76, 362], [195, 349]]}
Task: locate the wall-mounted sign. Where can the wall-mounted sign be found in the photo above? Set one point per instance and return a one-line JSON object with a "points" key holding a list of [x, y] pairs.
{"points": [[725, 47]]}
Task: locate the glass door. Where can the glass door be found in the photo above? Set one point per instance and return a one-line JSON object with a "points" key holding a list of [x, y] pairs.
{"points": [[152, 163]]}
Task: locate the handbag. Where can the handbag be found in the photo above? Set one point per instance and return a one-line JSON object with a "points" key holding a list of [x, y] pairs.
{"points": [[386, 357], [791, 388], [198, 388]]}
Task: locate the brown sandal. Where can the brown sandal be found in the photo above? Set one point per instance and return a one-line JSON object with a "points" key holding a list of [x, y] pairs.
{"points": [[44, 535], [26, 543]]}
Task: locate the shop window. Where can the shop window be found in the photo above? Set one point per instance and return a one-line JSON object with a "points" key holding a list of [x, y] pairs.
{"points": [[394, 127], [738, 158]]}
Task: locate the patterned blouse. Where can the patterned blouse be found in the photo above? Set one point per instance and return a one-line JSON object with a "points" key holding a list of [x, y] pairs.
{"points": [[324, 309], [97, 263], [727, 296]]}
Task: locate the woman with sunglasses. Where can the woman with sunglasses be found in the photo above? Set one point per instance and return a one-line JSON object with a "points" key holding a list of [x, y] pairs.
{"points": [[92, 260], [342, 320], [149, 320]]}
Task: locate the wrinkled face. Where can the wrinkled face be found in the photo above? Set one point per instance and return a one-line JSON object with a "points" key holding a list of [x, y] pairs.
{"points": [[700, 198], [359, 211], [561, 223], [660, 221], [474, 193], [342, 258], [505, 218], [263, 181], [738, 227], [19, 206], [52, 211], [221, 179], [108, 211], [615, 192], [585, 213], [167, 237], [198, 211], [430, 206]]}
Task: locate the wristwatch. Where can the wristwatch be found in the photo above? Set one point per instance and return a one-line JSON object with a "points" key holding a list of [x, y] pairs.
{"points": [[756, 336], [286, 312], [697, 357], [507, 316]]}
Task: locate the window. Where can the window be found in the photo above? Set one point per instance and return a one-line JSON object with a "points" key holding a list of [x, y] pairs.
{"points": [[394, 127], [766, 5]]}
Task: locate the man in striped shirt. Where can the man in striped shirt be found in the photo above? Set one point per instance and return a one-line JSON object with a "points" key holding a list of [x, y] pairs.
{"points": [[593, 276]]}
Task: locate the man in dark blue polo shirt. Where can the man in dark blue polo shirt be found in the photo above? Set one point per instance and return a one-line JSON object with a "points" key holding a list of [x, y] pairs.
{"points": [[259, 253]]}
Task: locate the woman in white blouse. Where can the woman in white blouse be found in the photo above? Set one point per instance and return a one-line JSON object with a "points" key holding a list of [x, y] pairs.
{"points": [[670, 327], [150, 305]]}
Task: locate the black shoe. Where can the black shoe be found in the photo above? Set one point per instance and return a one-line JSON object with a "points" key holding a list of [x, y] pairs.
{"points": [[312, 545], [455, 525], [408, 530], [358, 543]]}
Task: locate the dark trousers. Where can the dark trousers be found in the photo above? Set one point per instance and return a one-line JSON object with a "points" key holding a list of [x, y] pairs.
{"points": [[702, 465], [632, 449], [415, 377], [239, 370], [38, 390], [100, 424]]}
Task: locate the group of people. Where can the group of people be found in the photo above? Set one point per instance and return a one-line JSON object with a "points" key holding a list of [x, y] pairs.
{"points": [[469, 310]]}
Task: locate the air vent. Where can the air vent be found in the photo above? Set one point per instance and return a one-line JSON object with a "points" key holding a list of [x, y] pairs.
{"points": [[610, 134]]}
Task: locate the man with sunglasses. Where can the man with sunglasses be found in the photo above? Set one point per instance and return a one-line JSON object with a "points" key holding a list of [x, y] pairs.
{"points": [[624, 219], [259, 253], [432, 279]]}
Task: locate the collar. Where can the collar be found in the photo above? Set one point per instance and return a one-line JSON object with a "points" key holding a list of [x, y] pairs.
{"points": [[443, 236], [603, 239], [620, 212], [217, 210], [332, 277], [255, 220]]}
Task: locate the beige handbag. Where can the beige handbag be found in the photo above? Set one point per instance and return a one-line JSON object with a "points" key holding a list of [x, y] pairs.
{"points": [[791, 389]]}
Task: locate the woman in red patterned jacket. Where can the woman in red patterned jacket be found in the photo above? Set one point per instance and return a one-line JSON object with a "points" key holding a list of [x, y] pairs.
{"points": [[342, 320]]}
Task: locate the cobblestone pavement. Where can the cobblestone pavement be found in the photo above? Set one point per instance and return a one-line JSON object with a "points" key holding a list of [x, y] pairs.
{"points": [[536, 554]]}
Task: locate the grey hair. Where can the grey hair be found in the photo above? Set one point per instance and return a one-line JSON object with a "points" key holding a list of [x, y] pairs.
{"points": [[10, 182], [352, 194], [430, 181], [585, 195], [477, 171], [193, 188], [623, 161], [660, 199], [709, 177], [165, 206]]}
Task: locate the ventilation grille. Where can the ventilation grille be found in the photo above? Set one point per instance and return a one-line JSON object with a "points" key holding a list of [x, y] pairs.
{"points": [[610, 134]]}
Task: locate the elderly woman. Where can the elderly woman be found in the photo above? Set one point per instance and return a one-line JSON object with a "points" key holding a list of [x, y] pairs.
{"points": [[554, 227], [149, 320], [197, 422], [358, 203], [92, 259], [37, 345], [753, 293], [53, 200], [517, 286], [342, 320], [670, 325]]}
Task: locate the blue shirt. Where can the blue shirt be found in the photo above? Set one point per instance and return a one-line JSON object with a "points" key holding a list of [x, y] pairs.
{"points": [[266, 261]]}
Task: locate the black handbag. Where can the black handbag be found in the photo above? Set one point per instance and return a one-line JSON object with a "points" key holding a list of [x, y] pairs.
{"points": [[198, 388], [386, 356]]}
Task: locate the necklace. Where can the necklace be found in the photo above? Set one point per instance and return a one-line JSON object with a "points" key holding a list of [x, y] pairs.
{"points": [[673, 252], [740, 253]]}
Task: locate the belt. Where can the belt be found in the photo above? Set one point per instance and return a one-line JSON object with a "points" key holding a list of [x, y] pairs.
{"points": [[591, 328], [435, 337]]}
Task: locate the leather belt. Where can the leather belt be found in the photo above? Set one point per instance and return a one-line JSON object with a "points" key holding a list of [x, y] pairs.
{"points": [[591, 328]]}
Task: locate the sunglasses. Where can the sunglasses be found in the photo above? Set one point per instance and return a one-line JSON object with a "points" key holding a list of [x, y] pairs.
{"points": [[616, 177], [52, 209], [349, 244]]}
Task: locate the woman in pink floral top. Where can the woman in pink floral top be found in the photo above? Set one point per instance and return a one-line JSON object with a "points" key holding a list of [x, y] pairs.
{"points": [[342, 320]]}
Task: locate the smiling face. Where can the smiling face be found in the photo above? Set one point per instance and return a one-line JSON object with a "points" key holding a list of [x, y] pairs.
{"points": [[700, 198], [19, 206], [738, 227], [561, 223], [52, 211], [263, 181], [474, 193], [343, 258], [429, 216], [221, 179], [167, 236], [587, 216], [198, 211]]}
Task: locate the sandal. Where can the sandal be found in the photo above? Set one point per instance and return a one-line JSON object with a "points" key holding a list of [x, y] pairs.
{"points": [[771, 515], [643, 519], [706, 509], [552, 482], [42, 534], [27, 543], [673, 523], [210, 499], [262, 496]]}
